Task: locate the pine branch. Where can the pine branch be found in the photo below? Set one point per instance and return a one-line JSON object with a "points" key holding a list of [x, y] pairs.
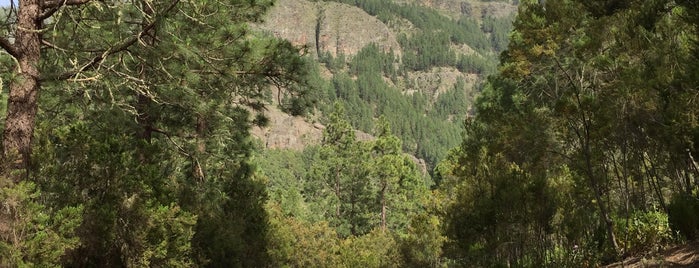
{"points": [[58, 3], [51, 7], [123, 46], [7, 46]]}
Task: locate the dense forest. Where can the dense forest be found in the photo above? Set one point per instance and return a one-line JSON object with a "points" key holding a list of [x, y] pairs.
{"points": [[126, 140], [583, 148]]}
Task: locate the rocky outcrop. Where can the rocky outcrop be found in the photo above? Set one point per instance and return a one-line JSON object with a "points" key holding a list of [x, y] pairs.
{"points": [[328, 27], [336, 28], [288, 132], [439, 80], [295, 133]]}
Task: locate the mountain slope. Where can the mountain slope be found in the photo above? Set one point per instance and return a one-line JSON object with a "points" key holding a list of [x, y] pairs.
{"points": [[417, 63], [329, 27]]}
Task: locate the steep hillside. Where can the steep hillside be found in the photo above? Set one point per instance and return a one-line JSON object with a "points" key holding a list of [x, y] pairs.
{"points": [[328, 27], [475, 9], [417, 63], [286, 131]]}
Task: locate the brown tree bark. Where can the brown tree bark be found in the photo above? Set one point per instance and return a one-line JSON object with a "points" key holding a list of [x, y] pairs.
{"points": [[24, 90], [21, 109], [143, 118]]}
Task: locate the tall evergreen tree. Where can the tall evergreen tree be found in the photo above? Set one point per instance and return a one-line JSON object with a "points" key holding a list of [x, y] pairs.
{"points": [[582, 115], [145, 125]]}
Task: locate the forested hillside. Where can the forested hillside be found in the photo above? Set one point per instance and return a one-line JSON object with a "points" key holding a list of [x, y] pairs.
{"points": [[417, 66], [440, 133], [410, 82]]}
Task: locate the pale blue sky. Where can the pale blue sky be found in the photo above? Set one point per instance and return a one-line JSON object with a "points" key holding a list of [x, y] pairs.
{"points": [[4, 3]]}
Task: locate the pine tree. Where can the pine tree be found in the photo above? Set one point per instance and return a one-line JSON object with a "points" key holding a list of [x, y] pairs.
{"points": [[146, 125]]}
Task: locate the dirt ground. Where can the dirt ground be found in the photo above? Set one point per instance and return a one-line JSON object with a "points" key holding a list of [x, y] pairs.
{"points": [[679, 256]]}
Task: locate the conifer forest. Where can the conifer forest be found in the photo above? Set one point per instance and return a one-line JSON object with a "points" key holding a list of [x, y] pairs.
{"points": [[349, 133]]}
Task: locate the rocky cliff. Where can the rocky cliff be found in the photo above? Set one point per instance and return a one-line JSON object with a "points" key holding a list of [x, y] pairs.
{"points": [[328, 27]]}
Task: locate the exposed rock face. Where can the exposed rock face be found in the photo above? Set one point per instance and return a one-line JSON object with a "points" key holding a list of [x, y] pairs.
{"points": [[288, 132], [328, 27], [439, 80], [335, 28], [295, 133]]}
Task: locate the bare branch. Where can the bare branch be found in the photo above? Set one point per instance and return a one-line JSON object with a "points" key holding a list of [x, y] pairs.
{"points": [[7, 46], [49, 44], [180, 149]]}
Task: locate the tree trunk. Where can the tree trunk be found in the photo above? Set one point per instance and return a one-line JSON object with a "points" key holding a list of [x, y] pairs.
{"points": [[383, 208], [143, 117], [198, 170], [22, 102], [597, 190], [337, 193], [21, 110], [585, 139]]}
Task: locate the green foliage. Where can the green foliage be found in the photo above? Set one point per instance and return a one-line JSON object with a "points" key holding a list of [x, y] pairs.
{"points": [[644, 232], [169, 230], [577, 144], [375, 249], [334, 64], [347, 202], [296, 243], [422, 245], [462, 31], [369, 96], [428, 131], [451, 103], [142, 156], [285, 172], [499, 29], [432, 46], [342, 175], [426, 50], [302, 97], [41, 235], [371, 60], [125, 221], [475, 64], [683, 215]]}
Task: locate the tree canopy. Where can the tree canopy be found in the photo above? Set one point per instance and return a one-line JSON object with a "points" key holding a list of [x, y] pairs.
{"points": [[131, 120], [589, 128], [126, 140]]}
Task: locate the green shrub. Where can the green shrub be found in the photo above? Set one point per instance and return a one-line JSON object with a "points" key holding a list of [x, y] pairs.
{"points": [[42, 235], [683, 215], [643, 231]]}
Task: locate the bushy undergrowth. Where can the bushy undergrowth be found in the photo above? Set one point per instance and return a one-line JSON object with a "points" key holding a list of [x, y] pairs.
{"points": [[643, 232], [683, 213]]}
